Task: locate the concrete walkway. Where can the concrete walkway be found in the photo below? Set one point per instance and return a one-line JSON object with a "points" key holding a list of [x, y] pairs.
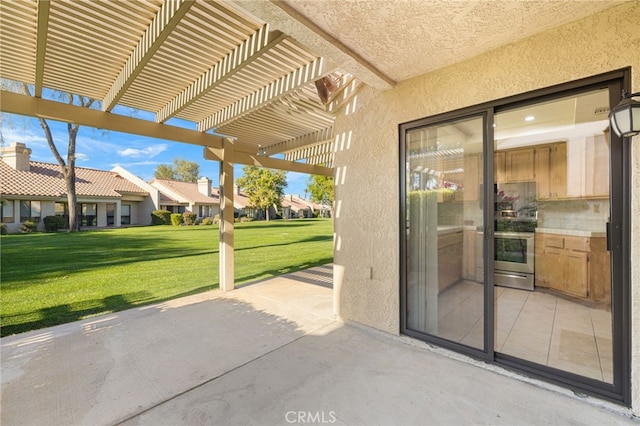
{"points": [[269, 353]]}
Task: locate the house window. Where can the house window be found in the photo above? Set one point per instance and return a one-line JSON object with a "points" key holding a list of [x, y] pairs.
{"points": [[125, 214], [111, 214], [29, 211], [89, 212], [204, 211], [7, 211], [62, 210]]}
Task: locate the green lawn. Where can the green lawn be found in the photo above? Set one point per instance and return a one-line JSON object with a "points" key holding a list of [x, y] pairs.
{"points": [[49, 279]]}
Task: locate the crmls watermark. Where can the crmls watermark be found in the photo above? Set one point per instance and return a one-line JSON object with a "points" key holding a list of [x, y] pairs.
{"points": [[304, 417]]}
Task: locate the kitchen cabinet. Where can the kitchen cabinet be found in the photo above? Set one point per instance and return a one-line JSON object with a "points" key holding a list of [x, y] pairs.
{"points": [[449, 259], [461, 178], [588, 168], [519, 165], [470, 179], [469, 254], [514, 165], [550, 169], [499, 167], [572, 265]]}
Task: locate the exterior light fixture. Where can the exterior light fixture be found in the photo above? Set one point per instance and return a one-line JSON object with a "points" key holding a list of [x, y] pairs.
{"points": [[625, 117], [262, 151]]}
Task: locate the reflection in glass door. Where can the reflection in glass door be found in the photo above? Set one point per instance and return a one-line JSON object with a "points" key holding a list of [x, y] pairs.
{"points": [[552, 188], [444, 293]]}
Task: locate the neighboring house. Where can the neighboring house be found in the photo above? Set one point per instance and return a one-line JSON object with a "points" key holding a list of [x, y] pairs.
{"points": [[33, 190], [178, 197], [296, 207], [241, 206]]}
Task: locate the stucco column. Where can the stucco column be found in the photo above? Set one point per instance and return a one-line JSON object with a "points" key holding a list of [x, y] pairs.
{"points": [[227, 282]]}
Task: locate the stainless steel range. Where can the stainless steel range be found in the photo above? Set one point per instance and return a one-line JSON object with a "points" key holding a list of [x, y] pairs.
{"points": [[514, 237], [514, 259]]}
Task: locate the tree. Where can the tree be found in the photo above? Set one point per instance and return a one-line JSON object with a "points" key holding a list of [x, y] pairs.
{"points": [[67, 167], [322, 190], [182, 170], [265, 187]]}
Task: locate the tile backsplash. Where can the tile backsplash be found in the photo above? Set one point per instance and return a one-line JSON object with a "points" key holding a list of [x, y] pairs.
{"points": [[582, 215]]}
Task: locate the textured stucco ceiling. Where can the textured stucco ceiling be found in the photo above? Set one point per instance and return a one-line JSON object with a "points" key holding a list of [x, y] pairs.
{"points": [[405, 38]]}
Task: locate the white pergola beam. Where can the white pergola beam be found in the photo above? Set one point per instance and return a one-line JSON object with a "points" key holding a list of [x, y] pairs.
{"points": [[217, 154], [270, 93], [163, 23], [293, 145], [41, 44], [16, 103], [320, 149], [259, 43]]}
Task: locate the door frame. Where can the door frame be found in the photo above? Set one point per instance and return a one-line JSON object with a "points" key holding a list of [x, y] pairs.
{"points": [[618, 236]]}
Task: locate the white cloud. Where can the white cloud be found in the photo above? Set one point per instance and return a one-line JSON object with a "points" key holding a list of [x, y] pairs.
{"points": [[149, 152], [82, 157]]}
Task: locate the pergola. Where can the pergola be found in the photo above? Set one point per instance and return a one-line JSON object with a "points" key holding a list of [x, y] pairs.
{"points": [[250, 91]]}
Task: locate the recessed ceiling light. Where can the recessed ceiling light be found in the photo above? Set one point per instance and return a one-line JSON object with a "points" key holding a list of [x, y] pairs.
{"points": [[529, 118]]}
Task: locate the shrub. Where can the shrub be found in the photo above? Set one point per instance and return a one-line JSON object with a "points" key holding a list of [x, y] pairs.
{"points": [[161, 217], [246, 219], [189, 218], [207, 221], [176, 219], [216, 219], [3, 229], [29, 226], [53, 223]]}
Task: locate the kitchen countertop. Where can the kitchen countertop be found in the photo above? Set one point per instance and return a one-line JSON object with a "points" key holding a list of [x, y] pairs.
{"points": [[572, 232], [448, 229]]}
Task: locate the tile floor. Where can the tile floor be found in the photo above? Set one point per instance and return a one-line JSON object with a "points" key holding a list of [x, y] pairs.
{"points": [[532, 325]]}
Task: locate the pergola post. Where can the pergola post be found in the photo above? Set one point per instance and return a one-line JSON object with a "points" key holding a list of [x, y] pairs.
{"points": [[227, 282]]}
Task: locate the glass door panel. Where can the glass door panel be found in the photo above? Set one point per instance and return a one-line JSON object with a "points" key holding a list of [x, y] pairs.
{"points": [[445, 291], [554, 193]]}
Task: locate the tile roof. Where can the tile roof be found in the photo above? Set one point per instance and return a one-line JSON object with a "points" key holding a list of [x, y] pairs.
{"points": [[296, 203], [188, 191], [46, 180]]}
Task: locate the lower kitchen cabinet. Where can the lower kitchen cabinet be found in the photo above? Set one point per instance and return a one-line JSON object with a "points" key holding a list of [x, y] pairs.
{"points": [[576, 273], [575, 266], [469, 254], [449, 259]]}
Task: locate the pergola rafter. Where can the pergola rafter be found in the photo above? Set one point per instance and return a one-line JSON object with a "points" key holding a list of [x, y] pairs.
{"points": [[267, 94], [41, 45], [163, 24], [227, 67]]}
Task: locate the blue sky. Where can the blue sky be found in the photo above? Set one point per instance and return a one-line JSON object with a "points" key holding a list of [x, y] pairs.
{"points": [[105, 150]]}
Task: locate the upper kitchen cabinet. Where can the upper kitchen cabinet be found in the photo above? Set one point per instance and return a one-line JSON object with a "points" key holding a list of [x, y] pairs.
{"points": [[472, 176], [550, 164], [513, 165], [578, 168], [499, 166], [588, 167], [519, 165]]}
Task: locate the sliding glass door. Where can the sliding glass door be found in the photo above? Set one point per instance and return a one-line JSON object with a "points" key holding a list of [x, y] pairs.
{"points": [[444, 216], [516, 218], [554, 176]]}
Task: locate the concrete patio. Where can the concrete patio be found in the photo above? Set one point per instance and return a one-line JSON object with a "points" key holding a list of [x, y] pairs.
{"points": [[268, 353]]}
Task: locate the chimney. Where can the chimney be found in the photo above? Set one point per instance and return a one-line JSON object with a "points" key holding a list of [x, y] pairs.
{"points": [[236, 189], [17, 156], [204, 186]]}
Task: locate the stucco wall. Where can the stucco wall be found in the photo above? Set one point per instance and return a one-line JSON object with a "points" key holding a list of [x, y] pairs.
{"points": [[367, 164]]}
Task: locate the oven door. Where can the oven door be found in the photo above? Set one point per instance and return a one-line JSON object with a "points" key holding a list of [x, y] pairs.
{"points": [[514, 252]]}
